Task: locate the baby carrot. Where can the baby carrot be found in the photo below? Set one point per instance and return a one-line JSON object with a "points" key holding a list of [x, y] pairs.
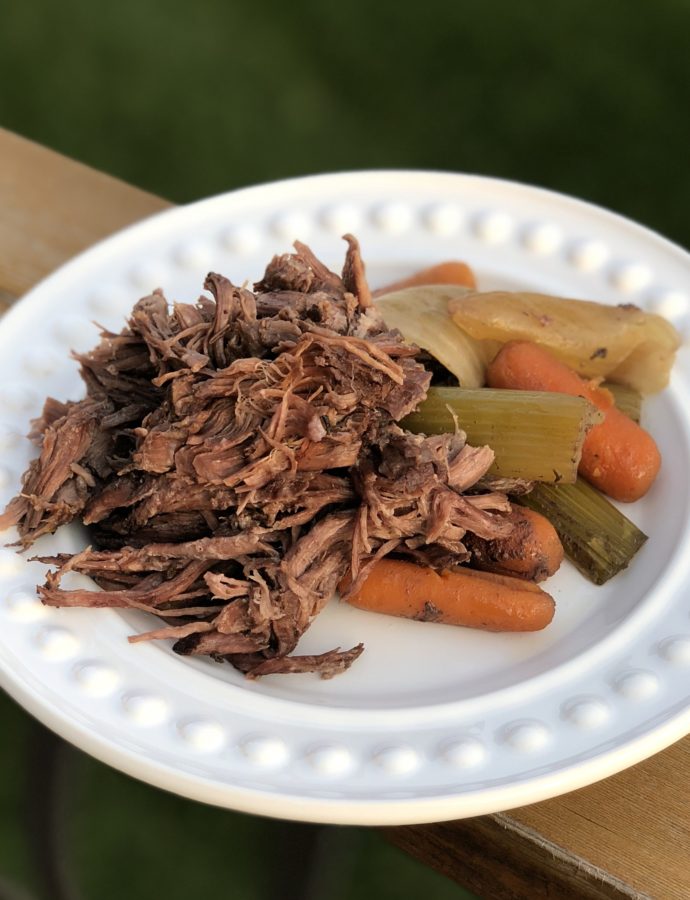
{"points": [[452, 272], [458, 597], [533, 550], [618, 457]]}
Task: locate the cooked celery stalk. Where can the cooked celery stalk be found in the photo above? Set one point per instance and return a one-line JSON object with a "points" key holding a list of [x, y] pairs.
{"points": [[536, 436], [628, 400], [596, 536]]}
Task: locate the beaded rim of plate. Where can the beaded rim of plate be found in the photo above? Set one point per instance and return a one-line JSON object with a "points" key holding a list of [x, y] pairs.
{"points": [[164, 735]]}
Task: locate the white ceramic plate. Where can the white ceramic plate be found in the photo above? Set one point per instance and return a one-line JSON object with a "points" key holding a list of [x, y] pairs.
{"points": [[431, 722]]}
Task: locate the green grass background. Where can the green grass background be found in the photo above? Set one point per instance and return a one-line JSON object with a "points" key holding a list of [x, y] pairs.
{"points": [[190, 99]]}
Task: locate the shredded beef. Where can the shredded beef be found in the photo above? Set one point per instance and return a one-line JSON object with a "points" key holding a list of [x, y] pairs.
{"points": [[238, 459]]}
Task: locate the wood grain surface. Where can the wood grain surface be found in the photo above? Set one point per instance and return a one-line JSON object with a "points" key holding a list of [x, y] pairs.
{"points": [[498, 857], [628, 836], [52, 207]]}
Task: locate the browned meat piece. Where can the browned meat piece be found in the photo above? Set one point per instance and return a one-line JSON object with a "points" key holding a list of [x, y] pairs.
{"points": [[327, 665], [56, 488], [354, 278], [237, 459], [300, 271]]}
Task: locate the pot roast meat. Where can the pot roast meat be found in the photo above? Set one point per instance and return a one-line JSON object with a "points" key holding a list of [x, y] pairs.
{"points": [[57, 485], [238, 460], [328, 664]]}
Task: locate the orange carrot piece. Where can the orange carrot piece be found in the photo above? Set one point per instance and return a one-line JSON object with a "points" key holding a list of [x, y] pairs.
{"points": [[618, 457], [533, 550], [458, 597], [452, 272]]}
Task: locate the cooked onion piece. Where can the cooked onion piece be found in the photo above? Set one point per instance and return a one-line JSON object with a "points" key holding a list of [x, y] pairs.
{"points": [[421, 315]]}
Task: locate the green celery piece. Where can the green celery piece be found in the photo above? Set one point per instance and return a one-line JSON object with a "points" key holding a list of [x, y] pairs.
{"points": [[628, 400], [535, 435], [596, 536]]}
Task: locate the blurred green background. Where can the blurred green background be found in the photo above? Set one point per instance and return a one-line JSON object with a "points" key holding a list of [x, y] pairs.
{"points": [[188, 100]]}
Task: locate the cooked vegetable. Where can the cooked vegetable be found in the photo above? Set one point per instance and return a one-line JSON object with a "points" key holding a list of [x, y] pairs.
{"points": [[421, 315], [533, 549], [627, 400], [621, 343], [618, 456], [457, 597], [596, 536], [452, 272], [537, 436]]}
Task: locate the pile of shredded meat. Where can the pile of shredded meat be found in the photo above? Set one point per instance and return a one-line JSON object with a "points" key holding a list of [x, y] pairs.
{"points": [[237, 459]]}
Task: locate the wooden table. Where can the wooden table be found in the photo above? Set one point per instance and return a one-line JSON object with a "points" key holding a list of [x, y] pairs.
{"points": [[628, 836]]}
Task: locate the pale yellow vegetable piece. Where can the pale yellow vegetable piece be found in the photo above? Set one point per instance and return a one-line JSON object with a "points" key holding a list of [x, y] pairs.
{"points": [[621, 343], [421, 315]]}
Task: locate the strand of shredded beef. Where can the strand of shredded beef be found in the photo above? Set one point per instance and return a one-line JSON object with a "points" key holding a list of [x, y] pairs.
{"points": [[238, 459]]}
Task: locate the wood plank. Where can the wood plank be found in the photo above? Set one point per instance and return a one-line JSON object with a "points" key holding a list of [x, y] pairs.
{"points": [[52, 207], [628, 836], [499, 858], [636, 824]]}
